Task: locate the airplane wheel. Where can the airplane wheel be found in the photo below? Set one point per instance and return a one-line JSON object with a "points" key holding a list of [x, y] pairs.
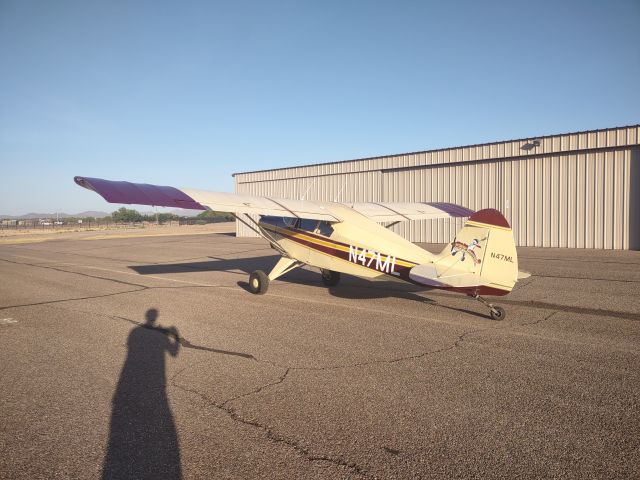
{"points": [[330, 278], [498, 313], [258, 282]]}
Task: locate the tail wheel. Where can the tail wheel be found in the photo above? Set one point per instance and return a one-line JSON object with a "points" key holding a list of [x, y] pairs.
{"points": [[498, 313], [258, 282], [330, 278]]}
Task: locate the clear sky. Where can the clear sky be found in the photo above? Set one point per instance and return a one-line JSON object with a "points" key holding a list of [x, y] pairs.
{"points": [[186, 93]]}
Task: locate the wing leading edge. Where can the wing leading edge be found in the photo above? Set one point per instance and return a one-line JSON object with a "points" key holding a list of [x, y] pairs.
{"points": [[164, 196]]}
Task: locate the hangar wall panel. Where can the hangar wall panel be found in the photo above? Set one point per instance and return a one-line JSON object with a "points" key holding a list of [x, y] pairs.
{"points": [[576, 200], [572, 190]]}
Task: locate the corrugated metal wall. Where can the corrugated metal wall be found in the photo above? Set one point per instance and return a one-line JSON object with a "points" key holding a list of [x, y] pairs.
{"points": [[574, 190], [575, 200]]}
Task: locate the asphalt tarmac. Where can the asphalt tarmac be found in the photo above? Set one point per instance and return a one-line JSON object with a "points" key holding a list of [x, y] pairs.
{"points": [[147, 357]]}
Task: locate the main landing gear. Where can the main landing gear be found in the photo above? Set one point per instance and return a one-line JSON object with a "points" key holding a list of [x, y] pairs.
{"points": [[259, 281], [496, 313]]}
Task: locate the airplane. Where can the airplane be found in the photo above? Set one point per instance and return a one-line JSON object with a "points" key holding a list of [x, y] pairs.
{"points": [[352, 238]]}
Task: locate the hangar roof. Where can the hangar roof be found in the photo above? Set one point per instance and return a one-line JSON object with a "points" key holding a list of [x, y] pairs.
{"points": [[548, 144]]}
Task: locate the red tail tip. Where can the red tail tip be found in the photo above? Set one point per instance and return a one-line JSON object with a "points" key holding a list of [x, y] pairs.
{"points": [[490, 216]]}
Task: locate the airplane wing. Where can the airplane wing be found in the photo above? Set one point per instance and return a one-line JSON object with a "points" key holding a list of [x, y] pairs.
{"points": [[399, 212], [164, 196]]}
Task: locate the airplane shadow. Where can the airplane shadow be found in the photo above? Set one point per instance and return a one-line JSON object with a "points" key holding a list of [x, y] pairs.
{"points": [[350, 287], [143, 442]]}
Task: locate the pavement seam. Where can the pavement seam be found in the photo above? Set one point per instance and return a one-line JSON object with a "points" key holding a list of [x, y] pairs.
{"points": [[594, 279], [49, 302], [125, 260], [48, 267], [141, 287]]}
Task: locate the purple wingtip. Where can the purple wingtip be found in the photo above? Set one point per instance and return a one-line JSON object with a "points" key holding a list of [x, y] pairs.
{"points": [[139, 193]]}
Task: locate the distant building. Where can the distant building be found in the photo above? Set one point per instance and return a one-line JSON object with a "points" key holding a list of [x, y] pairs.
{"points": [[578, 190]]}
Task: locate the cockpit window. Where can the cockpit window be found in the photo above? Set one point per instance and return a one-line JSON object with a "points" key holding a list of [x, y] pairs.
{"points": [[282, 222], [307, 225], [325, 228]]}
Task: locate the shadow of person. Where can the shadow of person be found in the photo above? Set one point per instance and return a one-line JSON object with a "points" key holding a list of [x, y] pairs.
{"points": [[143, 442]]}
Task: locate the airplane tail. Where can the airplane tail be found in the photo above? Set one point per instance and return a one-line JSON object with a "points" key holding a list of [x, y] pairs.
{"points": [[481, 259]]}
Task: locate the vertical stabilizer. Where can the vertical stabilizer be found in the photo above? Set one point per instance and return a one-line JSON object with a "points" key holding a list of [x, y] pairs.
{"points": [[481, 259]]}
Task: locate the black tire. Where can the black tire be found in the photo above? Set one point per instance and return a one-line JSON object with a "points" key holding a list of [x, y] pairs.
{"points": [[498, 313], [330, 278], [258, 282]]}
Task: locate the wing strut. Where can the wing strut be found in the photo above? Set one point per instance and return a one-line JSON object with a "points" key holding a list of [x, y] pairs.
{"points": [[260, 231], [392, 224]]}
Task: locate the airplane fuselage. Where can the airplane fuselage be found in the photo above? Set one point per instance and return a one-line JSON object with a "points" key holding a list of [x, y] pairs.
{"points": [[357, 246]]}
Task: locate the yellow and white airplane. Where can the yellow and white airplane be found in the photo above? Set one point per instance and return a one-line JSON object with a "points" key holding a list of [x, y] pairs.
{"points": [[350, 238]]}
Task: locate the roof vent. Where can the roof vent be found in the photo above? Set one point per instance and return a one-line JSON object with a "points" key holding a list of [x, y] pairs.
{"points": [[530, 145]]}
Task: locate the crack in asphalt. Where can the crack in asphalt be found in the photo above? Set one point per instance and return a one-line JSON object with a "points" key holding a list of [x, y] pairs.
{"points": [[265, 429], [258, 389], [278, 438], [542, 319], [455, 344]]}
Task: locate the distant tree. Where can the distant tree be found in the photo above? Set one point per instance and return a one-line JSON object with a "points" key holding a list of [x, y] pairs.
{"points": [[166, 217], [126, 215], [210, 215]]}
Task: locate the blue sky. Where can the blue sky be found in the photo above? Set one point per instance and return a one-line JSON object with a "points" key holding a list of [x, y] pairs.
{"points": [[186, 93]]}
